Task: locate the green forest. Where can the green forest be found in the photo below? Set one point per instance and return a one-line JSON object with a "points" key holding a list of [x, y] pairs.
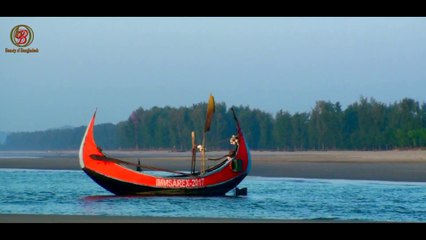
{"points": [[364, 125]]}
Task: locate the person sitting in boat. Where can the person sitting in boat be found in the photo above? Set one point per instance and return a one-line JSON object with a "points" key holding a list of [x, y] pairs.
{"points": [[231, 154], [233, 140]]}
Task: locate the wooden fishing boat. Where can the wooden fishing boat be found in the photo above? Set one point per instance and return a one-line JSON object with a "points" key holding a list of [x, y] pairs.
{"points": [[114, 175]]}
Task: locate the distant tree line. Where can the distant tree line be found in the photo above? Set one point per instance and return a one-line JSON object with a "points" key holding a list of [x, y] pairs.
{"points": [[59, 139], [364, 125]]}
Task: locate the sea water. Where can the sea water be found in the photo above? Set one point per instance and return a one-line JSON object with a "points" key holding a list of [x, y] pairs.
{"points": [[72, 192]]}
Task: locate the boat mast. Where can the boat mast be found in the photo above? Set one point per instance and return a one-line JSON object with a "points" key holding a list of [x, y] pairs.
{"points": [[203, 155]]}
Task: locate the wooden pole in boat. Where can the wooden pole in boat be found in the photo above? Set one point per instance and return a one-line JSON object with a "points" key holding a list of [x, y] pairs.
{"points": [[203, 154], [194, 152]]}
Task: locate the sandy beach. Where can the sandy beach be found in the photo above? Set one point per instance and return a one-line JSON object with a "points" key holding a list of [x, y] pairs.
{"points": [[407, 165]]}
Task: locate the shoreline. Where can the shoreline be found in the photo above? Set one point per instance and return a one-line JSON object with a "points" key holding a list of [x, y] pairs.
{"points": [[407, 165]]}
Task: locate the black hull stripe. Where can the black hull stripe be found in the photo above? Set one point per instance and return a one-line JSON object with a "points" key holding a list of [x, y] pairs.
{"points": [[121, 188]]}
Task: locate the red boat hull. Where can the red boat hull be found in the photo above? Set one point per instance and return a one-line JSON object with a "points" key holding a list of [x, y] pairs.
{"points": [[121, 180]]}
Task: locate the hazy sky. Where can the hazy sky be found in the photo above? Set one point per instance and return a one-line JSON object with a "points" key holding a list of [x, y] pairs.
{"points": [[120, 64]]}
